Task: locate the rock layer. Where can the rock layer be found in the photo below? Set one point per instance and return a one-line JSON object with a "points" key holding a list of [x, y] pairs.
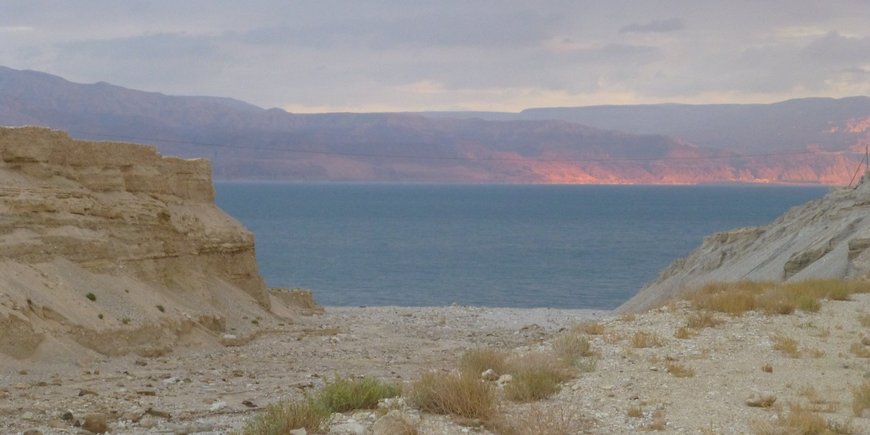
{"points": [[826, 238], [116, 248]]}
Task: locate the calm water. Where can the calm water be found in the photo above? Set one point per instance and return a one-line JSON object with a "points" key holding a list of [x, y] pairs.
{"points": [[490, 245]]}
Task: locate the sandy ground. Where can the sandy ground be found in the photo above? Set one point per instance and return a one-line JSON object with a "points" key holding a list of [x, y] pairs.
{"points": [[215, 390]]}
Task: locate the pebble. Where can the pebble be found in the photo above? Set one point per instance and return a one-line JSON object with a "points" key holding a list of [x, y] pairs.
{"points": [[489, 375], [300, 431], [761, 400], [217, 406]]}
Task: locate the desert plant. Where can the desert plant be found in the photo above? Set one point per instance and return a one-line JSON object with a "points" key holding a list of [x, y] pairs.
{"points": [[864, 320], [683, 333], [571, 347], [702, 319], [799, 420], [536, 376], [346, 394], [91, 297], [589, 328], [282, 417], [634, 411], [642, 339], [861, 399], [161, 308], [786, 345], [476, 361], [541, 420], [678, 370], [453, 393], [860, 350]]}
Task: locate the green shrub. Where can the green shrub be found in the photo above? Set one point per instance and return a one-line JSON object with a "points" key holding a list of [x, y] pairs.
{"points": [[457, 394], [476, 361], [282, 417], [346, 394], [91, 297]]}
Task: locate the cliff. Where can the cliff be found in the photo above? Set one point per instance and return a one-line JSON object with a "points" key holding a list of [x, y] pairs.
{"points": [[112, 248], [826, 238]]}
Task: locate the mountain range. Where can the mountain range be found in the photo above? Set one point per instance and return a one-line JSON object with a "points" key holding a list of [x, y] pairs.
{"points": [[814, 140]]}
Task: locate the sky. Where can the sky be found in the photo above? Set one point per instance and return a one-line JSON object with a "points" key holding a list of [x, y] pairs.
{"points": [[506, 55]]}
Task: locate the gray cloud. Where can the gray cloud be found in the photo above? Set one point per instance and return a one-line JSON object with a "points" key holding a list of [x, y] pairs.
{"points": [[655, 26]]}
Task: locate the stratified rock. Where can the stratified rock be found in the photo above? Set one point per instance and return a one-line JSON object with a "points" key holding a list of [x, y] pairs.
{"points": [[826, 238]]}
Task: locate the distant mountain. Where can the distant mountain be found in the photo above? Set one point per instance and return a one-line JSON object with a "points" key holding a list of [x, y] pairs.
{"points": [[247, 142]]}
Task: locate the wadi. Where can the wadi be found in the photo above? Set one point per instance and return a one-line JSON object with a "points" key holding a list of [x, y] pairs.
{"points": [[130, 303]]}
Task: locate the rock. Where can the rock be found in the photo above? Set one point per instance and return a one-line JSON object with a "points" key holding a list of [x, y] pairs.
{"points": [[300, 431], [32, 432], [392, 424], [489, 375], [350, 427], [96, 423], [504, 379], [67, 416], [84, 392], [158, 413], [147, 422], [761, 400], [249, 404], [217, 406], [865, 341], [56, 423]]}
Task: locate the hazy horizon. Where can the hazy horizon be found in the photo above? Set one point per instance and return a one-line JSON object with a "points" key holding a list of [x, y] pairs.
{"points": [[391, 56]]}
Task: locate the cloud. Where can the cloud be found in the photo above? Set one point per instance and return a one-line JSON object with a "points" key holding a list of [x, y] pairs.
{"points": [[152, 47], [655, 26]]}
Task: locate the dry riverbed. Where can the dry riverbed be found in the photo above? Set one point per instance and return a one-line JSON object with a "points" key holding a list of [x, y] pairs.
{"points": [[696, 384]]}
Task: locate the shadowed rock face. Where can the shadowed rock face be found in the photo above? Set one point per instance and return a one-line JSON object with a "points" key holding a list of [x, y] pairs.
{"points": [[94, 236], [826, 238]]}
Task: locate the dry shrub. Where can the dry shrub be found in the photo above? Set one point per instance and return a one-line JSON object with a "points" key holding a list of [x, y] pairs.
{"points": [[476, 361], [860, 350], [280, 418], [634, 411], [799, 420], [739, 297], [542, 420], [589, 328], [453, 393], [816, 401], [861, 399], [767, 368], [678, 370], [642, 339], [627, 317], [536, 376], [702, 319], [394, 425], [864, 320], [658, 421], [684, 333], [571, 347], [786, 345]]}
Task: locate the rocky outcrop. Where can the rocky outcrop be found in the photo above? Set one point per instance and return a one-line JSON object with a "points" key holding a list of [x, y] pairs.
{"points": [[114, 248], [827, 238]]}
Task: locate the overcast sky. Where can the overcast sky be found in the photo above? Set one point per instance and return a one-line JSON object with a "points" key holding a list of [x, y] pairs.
{"points": [[390, 55]]}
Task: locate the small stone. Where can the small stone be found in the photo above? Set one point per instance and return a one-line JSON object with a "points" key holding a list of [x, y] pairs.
{"points": [[761, 400], [865, 341], [391, 424], [489, 375], [146, 393], [350, 427], [147, 422], [505, 379], [158, 413], [96, 423], [217, 406], [67, 416], [32, 432], [249, 404], [140, 363], [300, 431], [56, 423], [84, 392], [22, 372]]}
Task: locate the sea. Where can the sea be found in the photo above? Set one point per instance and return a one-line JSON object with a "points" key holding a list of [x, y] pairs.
{"points": [[559, 246]]}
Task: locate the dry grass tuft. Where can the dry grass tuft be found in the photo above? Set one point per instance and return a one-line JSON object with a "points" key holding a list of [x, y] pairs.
{"points": [[702, 319], [476, 361], [771, 298], [786, 345], [799, 420], [860, 350], [542, 420], [642, 339], [589, 328], [658, 421], [864, 320], [280, 418], [634, 411], [861, 399], [394, 425], [536, 376], [454, 394], [767, 368], [684, 333], [571, 347], [678, 370]]}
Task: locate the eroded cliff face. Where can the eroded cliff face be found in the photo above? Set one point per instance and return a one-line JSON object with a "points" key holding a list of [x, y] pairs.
{"points": [[116, 248], [826, 238]]}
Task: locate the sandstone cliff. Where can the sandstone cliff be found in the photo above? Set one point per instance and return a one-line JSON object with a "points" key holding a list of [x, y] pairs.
{"points": [[826, 238], [113, 248]]}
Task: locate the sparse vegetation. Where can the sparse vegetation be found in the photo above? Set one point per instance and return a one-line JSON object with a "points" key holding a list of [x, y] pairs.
{"points": [[536, 376], [91, 297], [475, 361], [589, 328], [453, 393], [702, 319], [799, 420], [125, 320], [861, 399], [281, 418], [571, 347], [683, 333], [679, 370], [542, 420], [767, 368], [864, 320], [786, 345], [772, 298], [345, 394], [860, 350], [161, 309], [634, 411], [642, 339]]}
